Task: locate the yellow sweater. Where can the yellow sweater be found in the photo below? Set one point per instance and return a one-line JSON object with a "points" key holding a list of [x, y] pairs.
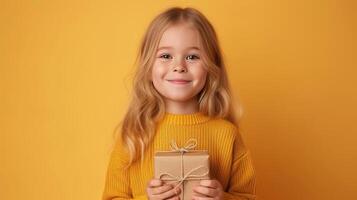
{"points": [[230, 160]]}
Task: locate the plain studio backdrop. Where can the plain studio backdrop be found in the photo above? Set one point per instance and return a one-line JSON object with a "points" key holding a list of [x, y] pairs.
{"points": [[65, 71]]}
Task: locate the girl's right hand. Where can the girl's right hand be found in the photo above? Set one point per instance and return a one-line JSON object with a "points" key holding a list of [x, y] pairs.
{"points": [[156, 190]]}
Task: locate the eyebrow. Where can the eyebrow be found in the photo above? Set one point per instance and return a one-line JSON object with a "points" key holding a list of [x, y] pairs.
{"points": [[168, 47]]}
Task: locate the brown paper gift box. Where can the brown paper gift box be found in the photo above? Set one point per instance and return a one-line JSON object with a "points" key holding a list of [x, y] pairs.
{"points": [[183, 169]]}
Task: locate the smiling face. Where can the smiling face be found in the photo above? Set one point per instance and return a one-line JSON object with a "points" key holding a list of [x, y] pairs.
{"points": [[178, 72]]}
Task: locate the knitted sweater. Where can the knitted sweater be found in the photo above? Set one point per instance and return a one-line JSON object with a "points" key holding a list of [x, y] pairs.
{"points": [[230, 160]]}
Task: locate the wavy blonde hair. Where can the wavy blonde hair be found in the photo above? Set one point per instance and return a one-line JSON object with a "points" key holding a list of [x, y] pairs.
{"points": [[147, 107]]}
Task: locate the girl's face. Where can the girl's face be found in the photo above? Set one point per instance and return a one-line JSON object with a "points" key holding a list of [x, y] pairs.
{"points": [[178, 73]]}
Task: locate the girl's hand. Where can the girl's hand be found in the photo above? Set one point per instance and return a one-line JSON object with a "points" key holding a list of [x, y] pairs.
{"points": [[156, 190], [208, 190]]}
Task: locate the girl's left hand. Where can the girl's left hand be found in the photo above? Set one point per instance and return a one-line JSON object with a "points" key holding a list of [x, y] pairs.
{"points": [[208, 190]]}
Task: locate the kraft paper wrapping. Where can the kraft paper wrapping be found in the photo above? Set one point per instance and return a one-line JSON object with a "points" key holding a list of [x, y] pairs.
{"points": [[182, 167]]}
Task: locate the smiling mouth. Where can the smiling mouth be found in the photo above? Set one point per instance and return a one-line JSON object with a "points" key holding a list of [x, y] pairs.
{"points": [[180, 82]]}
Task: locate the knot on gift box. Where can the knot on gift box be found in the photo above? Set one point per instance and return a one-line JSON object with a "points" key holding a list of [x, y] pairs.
{"points": [[189, 146], [189, 176]]}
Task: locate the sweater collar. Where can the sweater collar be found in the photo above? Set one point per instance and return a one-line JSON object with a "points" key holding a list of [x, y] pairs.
{"points": [[184, 119]]}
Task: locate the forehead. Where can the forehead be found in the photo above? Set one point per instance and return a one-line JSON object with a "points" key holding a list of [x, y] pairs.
{"points": [[180, 36]]}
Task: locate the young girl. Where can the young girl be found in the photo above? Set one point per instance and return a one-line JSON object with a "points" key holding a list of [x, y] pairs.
{"points": [[181, 92]]}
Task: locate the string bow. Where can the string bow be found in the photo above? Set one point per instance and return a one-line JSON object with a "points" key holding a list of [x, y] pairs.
{"points": [[190, 145]]}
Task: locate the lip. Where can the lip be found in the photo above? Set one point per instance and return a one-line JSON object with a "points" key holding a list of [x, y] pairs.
{"points": [[179, 81]]}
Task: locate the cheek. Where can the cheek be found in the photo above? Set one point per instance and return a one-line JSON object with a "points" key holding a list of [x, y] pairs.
{"points": [[203, 79], [201, 76], [158, 71], [200, 73]]}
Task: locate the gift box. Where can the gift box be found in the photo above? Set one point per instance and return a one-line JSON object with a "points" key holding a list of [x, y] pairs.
{"points": [[182, 167]]}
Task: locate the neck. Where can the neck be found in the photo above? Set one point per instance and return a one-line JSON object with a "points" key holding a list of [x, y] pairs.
{"points": [[181, 107]]}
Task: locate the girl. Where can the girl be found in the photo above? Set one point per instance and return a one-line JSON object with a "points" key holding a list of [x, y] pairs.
{"points": [[181, 91]]}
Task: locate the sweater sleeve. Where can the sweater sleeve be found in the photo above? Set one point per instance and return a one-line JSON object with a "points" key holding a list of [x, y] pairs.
{"points": [[117, 183], [242, 176]]}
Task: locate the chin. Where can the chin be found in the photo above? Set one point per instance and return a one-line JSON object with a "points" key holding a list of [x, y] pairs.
{"points": [[180, 98]]}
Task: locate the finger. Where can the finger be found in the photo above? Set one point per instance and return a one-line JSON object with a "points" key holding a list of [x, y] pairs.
{"points": [[210, 183], [198, 194], [155, 183], [202, 198], [161, 189], [210, 192], [168, 194], [174, 198]]}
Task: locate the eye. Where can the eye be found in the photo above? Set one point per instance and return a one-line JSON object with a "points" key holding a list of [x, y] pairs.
{"points": [[165, 56], [192, 57]]}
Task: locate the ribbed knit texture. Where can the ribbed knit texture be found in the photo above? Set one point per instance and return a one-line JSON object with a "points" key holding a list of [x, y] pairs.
{"points": [[230, 159]]}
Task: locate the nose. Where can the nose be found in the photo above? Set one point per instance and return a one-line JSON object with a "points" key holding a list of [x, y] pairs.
{"points": [[180, 67]]}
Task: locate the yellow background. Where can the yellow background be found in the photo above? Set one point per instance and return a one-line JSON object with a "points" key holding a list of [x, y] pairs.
{"points": [[65, 70]]}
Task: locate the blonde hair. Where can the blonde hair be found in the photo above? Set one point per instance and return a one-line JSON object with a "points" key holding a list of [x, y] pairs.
{"points": [[147, 107]]}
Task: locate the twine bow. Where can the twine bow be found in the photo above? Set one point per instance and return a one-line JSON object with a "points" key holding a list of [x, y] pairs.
{"points": [[190, 145]]}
